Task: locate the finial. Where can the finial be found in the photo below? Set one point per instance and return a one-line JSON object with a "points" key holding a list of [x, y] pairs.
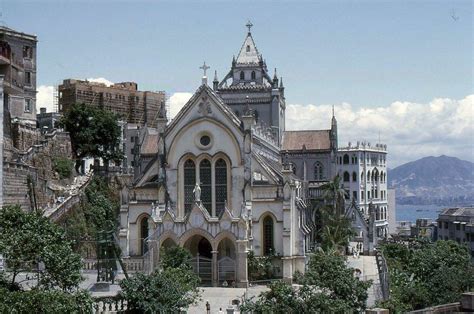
{"points": [[281, 82], [275, 77], [249, 25], [204, 67], [215, 75], [333, 110]]}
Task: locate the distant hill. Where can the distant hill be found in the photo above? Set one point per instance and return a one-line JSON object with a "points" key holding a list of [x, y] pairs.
{"points": [[439, 180]]}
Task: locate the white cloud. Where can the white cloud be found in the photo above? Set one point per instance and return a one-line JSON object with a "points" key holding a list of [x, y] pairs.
{"points": [[45, 98], [101, 80], [411, 130], [177, 101]]}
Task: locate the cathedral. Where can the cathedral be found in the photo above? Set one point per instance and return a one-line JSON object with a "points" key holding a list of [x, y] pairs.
{"points": [[225, 177]]}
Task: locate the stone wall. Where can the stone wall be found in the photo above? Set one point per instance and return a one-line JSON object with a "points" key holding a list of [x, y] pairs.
{"points": [[34, 162]]}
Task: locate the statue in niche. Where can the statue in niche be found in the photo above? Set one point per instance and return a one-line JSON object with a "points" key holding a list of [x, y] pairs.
{"points": [[197, 193]]}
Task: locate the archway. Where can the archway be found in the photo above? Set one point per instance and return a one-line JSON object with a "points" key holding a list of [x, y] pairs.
{"points": [[168, 243], [201, 250], [226, 262]]}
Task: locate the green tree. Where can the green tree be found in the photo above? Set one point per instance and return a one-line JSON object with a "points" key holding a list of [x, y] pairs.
{"points": [[334, 195], [94, 133], [63, 166], [28, 240], [425, 274], [168, 291], [44, 301], [175, 257], [336, 232], [328, 286]]}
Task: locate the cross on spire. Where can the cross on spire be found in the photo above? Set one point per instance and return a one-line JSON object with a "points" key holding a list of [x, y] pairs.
{"points": [[204, 67], [249, 25]]}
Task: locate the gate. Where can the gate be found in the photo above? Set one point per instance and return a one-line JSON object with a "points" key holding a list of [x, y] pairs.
{"points": [[202, 266], [226, 270]]}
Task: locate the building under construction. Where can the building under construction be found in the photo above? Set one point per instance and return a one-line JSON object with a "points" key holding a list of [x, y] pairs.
{"points": [[123, 99]]}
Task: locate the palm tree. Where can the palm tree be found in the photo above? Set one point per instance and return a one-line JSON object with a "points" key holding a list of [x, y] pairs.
{"points": [[337, 229], [336, 232], [334, 195]]}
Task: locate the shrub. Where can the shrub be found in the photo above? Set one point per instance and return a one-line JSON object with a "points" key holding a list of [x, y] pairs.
{"points": [[63, 166]]}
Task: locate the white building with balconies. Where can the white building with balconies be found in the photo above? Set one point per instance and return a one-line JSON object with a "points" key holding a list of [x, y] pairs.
{"points": [[363, 172]]}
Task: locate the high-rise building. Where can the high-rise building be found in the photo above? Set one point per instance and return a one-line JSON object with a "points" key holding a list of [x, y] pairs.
{"points": [[363, 172], [18, 67], [123, 99]]}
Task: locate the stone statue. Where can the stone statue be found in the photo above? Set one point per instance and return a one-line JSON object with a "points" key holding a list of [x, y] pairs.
{"points": [[197, 193]]}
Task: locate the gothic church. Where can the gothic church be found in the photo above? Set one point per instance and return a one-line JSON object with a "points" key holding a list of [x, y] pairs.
{"points": [[222, 180]]}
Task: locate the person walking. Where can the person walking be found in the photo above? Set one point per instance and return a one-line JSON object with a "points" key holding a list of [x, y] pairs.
{"points": [[208, 308]]}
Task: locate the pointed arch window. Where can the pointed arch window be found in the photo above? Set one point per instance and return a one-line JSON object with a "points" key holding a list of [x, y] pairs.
{"points": [[242, 75], [248, 48], [318, 171], [346, 159], [347, 177], [143, 235], [206, 184], [220, 185], [267, 235], [189, 182], [253, 75], [354, 176]]}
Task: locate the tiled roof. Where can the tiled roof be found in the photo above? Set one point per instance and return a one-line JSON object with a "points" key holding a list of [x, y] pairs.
{"points": [[459, 211], [150, 143], [312, 139]]}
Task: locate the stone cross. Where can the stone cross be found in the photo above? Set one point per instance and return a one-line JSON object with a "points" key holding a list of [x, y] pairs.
{"points": [[249, 25], [205, 67]]}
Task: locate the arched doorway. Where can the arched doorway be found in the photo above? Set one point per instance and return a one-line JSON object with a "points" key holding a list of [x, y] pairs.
{"points": [[201, 250], [226, 262], [168, 243]]}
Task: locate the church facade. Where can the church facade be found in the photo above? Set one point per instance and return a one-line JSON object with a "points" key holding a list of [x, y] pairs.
{"points": [[225, 178], [218, 184]]}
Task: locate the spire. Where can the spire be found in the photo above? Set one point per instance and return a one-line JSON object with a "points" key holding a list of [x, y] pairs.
{"points": [[248, 52], [215, 83], [275, 79], [281, 82], [333, 120]]}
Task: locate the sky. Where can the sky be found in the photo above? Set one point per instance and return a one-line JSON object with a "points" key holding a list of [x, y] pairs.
{"points": [[398, 71]]}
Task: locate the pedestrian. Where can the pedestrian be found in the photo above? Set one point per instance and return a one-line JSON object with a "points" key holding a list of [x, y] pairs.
{"points": [[208, 308]]}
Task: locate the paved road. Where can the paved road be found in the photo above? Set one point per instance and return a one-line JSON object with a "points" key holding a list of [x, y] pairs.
{"points": [[368, 267]]}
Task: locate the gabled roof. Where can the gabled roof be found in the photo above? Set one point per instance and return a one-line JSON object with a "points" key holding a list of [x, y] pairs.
{"points": [[248, 53], [311, 139], [273, 168], [150, 142], [217, 100]]}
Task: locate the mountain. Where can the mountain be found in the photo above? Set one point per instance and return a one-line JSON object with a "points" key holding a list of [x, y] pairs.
{"points": [[439, 180]]}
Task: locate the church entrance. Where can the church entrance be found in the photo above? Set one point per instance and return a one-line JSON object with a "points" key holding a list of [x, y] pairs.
{"points": [[226, 263], [201, 250]]}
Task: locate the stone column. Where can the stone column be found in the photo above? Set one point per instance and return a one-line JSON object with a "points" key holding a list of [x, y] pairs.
{"points": [[241, 264], [215, 280]]}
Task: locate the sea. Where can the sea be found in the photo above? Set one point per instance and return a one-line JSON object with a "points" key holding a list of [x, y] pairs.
{"points": [[413, 212]]}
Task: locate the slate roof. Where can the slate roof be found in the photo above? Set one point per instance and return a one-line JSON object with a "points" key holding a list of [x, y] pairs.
{"points": [[251, 56], [312, 139], [150, 143], [459, 211]]}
